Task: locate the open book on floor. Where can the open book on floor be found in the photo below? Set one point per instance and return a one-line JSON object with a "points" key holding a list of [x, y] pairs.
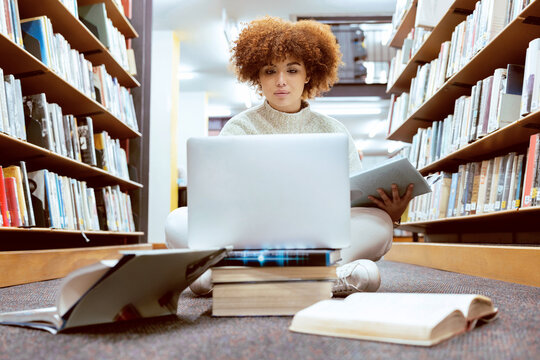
{"points": [[140, 284], [399, 172], [414, 319]]}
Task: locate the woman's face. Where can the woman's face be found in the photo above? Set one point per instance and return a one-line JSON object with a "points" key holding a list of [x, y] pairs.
{"points": [[282, 84]]}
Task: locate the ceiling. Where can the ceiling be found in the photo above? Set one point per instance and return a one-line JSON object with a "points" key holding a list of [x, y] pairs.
{"points": [[204, 55]]}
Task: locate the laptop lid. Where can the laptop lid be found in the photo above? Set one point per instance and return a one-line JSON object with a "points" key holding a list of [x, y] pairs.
{"points": [[268, 191]]}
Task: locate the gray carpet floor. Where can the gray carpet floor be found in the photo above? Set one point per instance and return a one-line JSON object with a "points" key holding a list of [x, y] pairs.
{"points": [[194, 334]]}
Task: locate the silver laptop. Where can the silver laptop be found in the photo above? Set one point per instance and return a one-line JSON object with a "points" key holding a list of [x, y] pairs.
{"points": [[268, 191]]}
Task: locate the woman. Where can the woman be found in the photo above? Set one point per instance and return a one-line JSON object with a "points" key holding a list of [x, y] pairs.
{"points": [[289, 63]]}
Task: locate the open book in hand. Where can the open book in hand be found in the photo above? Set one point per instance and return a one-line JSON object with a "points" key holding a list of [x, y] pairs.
{"points": [[414, 319], [399, 172], [140, 284]]}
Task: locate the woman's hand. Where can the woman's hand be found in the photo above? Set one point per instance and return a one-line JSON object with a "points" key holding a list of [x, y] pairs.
{"points": [[394, 206]]}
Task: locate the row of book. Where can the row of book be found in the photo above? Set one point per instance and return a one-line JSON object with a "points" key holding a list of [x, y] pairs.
{"points": [[411, 44], [494, 103], [114, 97], [11, 106], [468, 38], [402, 6], [44, 199], [10, 21], [508, 89], [94, 81], [44, 125], [55, 52], [272, 282], [94, 16], [502, 183]]}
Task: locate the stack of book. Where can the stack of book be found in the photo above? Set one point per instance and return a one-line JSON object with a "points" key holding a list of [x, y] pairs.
{"points": [[272, 282]]}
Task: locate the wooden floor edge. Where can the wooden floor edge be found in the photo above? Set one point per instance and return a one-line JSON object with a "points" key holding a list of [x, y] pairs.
{"points": [[21, 267], [517, 264]]}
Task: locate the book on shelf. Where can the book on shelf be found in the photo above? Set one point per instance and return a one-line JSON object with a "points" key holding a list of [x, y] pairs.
{"points": [[531, 79], [94, 17], [403, 318], [4, 208], [10, 21], [14, 172], [15, 216], [35, 38], [396, 171], [282, 257], [141, 284], [476, 188], [86, 140], [14, 106], [531, 178]]}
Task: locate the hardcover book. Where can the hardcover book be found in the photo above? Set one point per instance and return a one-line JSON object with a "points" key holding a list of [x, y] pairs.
{"points": [[413, 319], [282, 257], [95, 18], [35, 38], [38, 122]]}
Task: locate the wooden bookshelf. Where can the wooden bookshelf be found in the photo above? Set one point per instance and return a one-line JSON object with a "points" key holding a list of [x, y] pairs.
{"points": [[508, 47], [430, 49], [13, 150], [52, 264], [37, 78], [119, 20], [518, 264], [78, 36], [500, 221], [499, 142], [405, 26]]}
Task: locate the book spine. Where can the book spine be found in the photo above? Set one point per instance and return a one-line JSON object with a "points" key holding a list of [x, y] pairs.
{"points": [[277, 258], [13, 201], [3, 201]]}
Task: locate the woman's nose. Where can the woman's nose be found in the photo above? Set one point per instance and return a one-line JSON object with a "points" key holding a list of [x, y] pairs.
{"points": [[281, 79]]}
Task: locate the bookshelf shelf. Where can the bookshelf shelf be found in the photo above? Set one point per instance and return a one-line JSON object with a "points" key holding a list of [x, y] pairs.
{"points": [[508, 220], [78, 35], [407, 23], [59, 232], [506, 48], [37, 158], [116, 15], [37, 78], [501, 140], [429, 50]]}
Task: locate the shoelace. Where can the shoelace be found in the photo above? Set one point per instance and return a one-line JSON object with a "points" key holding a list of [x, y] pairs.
{"points": [[342, 283]]}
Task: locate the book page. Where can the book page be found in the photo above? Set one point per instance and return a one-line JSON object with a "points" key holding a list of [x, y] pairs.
{"points": [[424, 302], [44, 318], [79, 281]]}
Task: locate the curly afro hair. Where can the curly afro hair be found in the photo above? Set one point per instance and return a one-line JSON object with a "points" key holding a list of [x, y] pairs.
{"points": [[271, 39]]}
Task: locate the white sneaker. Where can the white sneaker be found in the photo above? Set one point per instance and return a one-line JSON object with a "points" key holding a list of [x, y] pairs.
{"points": [[203, 285], [359, 275]]}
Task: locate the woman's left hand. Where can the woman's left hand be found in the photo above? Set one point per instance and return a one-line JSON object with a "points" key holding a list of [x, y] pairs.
{"points": [[396, 205]]}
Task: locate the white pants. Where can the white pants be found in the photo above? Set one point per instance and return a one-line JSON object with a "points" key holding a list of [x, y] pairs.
{"points": [[371, 233]]}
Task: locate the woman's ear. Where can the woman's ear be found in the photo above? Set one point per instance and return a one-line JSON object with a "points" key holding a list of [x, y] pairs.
{"points": [[307, 80]]}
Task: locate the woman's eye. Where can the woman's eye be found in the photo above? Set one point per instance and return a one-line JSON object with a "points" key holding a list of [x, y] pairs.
{"points": [[293, 71], [269, 71]]}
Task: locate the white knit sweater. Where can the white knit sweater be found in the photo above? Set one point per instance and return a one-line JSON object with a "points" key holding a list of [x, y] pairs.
{"points": [[263, 119]]}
